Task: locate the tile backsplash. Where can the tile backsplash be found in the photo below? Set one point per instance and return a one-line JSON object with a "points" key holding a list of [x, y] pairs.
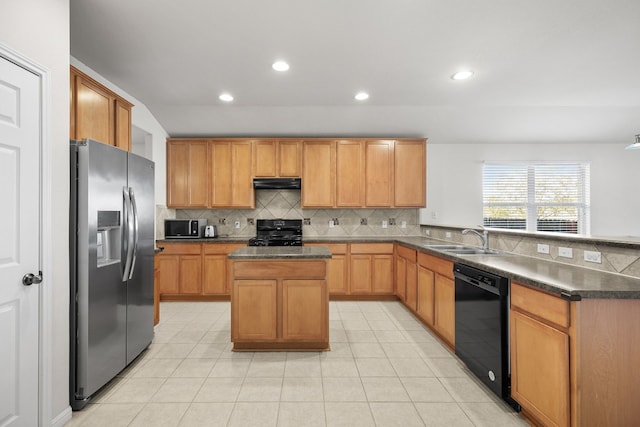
{"points": [[286, 204], [616, 257]]}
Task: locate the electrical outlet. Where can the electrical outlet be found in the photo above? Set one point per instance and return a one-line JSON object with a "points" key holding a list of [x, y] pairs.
{"points": [[306, 221], [250, 221], [565, 252], [384, 223], [392, 221], [593, 256], [222, 221], [427, 232], [335, 221], [434, 215], [236, 224], [363, 221], [403, 224], [543, 249], [331, 223], [447, 235]]}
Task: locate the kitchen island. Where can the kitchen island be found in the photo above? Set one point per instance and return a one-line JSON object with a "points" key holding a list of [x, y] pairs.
{"points": [[279, 298]]}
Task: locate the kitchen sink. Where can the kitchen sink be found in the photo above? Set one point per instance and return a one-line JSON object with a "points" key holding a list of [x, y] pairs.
{"points": [[463, 250]]}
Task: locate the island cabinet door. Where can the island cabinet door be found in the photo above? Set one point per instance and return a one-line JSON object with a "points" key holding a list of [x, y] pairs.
{"points": [[304, 310], [254, 316]]}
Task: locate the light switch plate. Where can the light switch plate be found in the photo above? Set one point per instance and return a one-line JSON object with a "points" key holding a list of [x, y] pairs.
{"points": [[384, 223], [403, 224], [447, 234], [543, 249], [237, 224], [593, 256], [331, 223]]}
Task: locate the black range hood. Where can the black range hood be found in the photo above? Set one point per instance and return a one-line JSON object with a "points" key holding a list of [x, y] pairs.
{"points": [[276, 183]]}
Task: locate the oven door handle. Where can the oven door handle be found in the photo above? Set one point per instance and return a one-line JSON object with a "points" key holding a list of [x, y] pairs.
{"points": [[473, 282]]}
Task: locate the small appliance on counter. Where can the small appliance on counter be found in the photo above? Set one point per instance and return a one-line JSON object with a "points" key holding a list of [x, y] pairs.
{"points": [[210, 231], [184, 228], [278, 232]]}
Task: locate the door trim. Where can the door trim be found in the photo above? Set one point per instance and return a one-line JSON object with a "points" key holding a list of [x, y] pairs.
{"points": [[45, 329]]}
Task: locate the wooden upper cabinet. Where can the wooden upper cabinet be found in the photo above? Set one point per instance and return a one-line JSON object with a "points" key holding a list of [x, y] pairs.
{"points": [[349, 173], [379, 173], [98, 113], [187, 174], [410, 174], [123, 125], [231, 182], [290, 159], [94, 112], [273, 158], [265, 158], [318, 174]]}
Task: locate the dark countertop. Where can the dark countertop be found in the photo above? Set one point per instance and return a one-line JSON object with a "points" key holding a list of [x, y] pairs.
{"points": [[280, 252], [557, 278], [236, 239]]}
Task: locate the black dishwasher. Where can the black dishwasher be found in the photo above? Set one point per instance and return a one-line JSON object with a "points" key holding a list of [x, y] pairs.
{"points": [[482, 327]]}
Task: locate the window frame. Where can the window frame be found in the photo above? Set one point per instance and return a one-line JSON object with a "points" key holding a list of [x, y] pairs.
{"points": [[531, 205]]}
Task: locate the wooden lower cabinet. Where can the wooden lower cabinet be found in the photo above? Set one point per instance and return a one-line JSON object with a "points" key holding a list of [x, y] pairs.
{"points": [[406, 276], [280, 304], [444, 314], [180, 274], [540, 369], [371, 269], [217, 268], [254, 315], [436, 295], [304, 313], [426, 295], [195, 271], [156, 291], [337, 268]]}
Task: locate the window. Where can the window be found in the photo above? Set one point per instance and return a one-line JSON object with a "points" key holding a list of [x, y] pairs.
{"points": [[537, 196]]}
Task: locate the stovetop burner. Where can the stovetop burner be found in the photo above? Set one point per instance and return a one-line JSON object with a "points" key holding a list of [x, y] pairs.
{"points": [[278, 232]]}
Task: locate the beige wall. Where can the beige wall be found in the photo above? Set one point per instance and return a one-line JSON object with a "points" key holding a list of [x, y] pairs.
{"points": [[39, 30]]}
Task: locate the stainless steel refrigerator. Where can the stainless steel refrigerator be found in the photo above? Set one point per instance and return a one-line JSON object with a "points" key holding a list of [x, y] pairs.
{"points": [[112, 212]]}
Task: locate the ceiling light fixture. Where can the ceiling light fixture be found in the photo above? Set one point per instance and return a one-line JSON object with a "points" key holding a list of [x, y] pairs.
{"points": [[635, 145], [462, 75], [226, 97], [280, 66], [361, 96]]}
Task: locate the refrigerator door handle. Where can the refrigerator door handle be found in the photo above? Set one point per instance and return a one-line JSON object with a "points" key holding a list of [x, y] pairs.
{"points": [[134, 251], [127, 241]]}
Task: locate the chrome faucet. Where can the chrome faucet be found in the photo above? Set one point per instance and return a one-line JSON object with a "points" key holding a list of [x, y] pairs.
{"points": [[484, 236]]}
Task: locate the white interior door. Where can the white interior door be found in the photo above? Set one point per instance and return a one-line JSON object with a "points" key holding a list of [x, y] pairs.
{"points": [[19, 244]]}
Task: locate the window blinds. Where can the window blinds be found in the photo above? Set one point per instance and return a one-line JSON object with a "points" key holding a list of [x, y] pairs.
{"points": [[540, 196]]}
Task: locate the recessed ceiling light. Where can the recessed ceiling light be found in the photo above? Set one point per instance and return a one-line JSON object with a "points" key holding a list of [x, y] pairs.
{"points": [[361, 96], [280, 66], [226, 97], [462, 75]]}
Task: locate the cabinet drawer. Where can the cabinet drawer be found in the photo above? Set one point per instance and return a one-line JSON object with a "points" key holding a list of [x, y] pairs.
{"points": [[407, 253], [545, 306], [220, 248], [372, 248], [437, 264], [279, 269], [181, 248], [334, 248]]}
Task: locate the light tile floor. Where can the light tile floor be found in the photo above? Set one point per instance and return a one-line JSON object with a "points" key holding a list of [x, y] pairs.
{"points": [[384, 369]]}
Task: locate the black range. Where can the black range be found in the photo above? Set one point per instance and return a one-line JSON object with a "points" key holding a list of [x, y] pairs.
{"points": [[277, 232]]}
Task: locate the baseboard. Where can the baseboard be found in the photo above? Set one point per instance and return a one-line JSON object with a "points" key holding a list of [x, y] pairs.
{"points": [[62, 418]]}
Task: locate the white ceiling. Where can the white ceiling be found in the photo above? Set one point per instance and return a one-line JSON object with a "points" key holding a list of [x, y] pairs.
{"points": [[546, 71]]}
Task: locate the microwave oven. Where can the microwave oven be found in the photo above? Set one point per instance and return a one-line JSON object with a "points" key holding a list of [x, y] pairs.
{"points": [[184, 228]]}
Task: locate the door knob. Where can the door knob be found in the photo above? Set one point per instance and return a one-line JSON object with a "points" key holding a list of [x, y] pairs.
{"points": [[30, 279]]}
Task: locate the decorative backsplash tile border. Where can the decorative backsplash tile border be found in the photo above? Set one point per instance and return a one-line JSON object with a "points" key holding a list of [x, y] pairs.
{"points": [[286, 204], [616, 257]]}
